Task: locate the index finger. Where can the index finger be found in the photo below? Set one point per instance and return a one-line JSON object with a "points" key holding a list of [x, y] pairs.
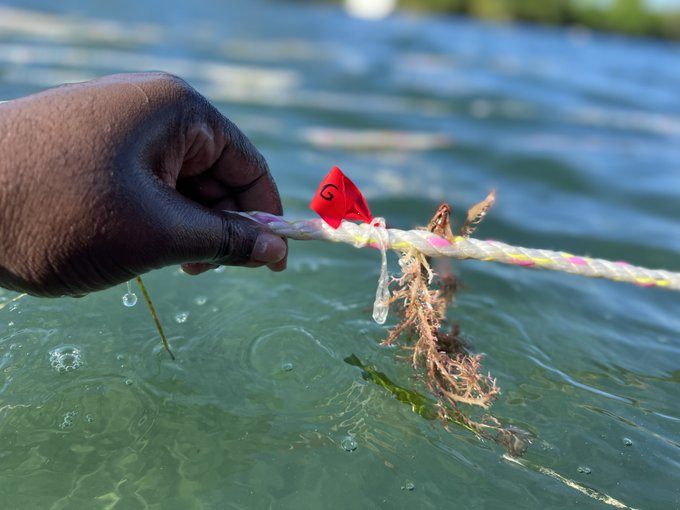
{"points": [[245, 174]]}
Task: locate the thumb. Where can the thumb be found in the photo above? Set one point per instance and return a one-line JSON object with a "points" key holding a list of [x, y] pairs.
{"points": [[200, 238], [246, 242]]}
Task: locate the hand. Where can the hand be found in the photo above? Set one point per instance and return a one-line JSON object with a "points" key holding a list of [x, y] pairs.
{"points": [[107, 179]]}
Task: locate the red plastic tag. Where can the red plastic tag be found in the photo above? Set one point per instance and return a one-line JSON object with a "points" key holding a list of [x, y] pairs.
{"points": [[339, 199]]}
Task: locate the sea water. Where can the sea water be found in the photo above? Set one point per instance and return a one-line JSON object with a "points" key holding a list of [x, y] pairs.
{"points": [[577, 132]]}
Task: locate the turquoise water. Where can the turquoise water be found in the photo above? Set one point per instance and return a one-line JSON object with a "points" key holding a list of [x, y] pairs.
{"points": [[579, 135]]}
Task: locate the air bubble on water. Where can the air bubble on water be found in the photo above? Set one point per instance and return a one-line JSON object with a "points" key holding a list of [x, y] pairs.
{"points": [[287, 367], [68, 419], [128, 382], [89, 418], [200, 300], [584, 469], [66, 358], [349, 444], [219, 269], [627, 441], [181, 317], [408, 486], [129, 298]]}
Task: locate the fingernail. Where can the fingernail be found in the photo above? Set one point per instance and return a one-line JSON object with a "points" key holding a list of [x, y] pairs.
{"points": [[268, 248]]}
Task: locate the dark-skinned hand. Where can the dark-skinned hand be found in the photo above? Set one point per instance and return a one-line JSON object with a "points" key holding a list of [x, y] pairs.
{"points": [[104, 180]]}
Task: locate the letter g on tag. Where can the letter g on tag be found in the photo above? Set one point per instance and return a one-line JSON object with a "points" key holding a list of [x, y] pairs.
{"points": [[327, 195]]}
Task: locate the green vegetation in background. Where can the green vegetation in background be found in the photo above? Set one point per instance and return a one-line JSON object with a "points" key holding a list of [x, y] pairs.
{"points": [[631, 17]]}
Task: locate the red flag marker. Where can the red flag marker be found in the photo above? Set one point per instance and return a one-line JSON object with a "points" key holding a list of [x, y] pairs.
{"points": [[339, 199]]}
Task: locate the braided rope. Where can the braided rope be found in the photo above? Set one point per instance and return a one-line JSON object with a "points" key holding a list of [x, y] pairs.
{"points": [[360, 235]]}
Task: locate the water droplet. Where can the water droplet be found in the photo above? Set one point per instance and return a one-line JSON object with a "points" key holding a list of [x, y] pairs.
{"points": [[349, 444], [181, 317], [200, 300], [584, 469], [65, 358], [129, 299], [627, 441], [287, 367], [409, 486]]}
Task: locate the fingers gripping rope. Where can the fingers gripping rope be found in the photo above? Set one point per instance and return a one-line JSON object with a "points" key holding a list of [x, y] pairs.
{"points": [[465, 248]]}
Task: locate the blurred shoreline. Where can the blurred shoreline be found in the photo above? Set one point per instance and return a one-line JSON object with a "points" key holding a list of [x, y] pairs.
{"points": [[629, 17]]}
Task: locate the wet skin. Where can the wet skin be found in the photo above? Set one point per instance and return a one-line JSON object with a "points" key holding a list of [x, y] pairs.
{"points": [[107, 179]]}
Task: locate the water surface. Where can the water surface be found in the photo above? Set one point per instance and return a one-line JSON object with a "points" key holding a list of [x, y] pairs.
{"points": [[577, 132]]}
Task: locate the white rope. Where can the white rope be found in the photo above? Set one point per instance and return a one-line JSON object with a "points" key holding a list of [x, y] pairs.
{"points": [[360, 235]]}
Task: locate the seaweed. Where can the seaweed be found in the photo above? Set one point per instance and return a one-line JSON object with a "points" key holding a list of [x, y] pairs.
{"points": [[154, 316], [420, 404], [451, 373]]}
